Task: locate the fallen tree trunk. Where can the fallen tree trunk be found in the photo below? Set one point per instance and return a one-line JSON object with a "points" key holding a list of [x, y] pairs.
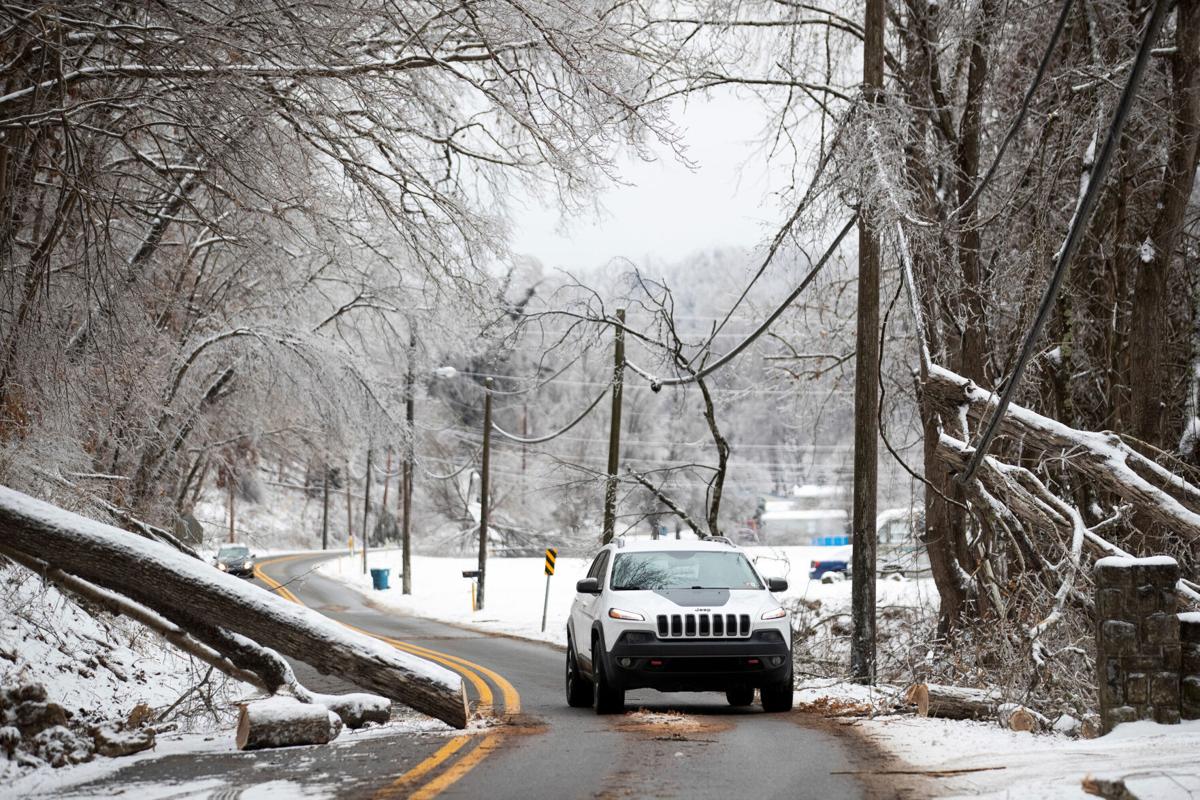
{"points": [[1167, 498], [952, 702], [115, 604], [355, 709], [189, 592], [285, 722]]}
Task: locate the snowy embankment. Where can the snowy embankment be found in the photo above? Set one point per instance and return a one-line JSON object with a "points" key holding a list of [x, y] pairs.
{"points": [[515, 587], [64, 671]]}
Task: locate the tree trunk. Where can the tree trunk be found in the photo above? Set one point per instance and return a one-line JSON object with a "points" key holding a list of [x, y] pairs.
{"points": [[1149, 364], [188, 592], [952, 702], [284, 722]]}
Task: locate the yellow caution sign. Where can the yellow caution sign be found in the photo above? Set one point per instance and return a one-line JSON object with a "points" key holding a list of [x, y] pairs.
{"points": [[551, 557]]}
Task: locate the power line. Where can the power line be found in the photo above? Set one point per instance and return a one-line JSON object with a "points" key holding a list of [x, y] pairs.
{"points": [[556, 434], [657, 384]]}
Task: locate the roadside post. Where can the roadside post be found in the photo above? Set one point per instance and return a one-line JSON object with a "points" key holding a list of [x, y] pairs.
{"points": [[551, 557], [473, 574]]}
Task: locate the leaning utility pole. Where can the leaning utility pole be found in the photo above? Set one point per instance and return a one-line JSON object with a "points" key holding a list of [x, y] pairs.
{"points": [[866, 392], [614, 430], [406, 473], [366, 530], [484, 481]]}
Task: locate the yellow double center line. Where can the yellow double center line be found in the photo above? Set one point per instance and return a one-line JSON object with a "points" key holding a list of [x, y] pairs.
{"points": [[457, 751]]}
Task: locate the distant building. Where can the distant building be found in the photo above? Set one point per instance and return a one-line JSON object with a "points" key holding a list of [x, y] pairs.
{"points": [[805, 526]]}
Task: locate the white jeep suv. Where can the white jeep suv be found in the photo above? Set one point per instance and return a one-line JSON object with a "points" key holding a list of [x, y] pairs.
{"points": [[677, 616]]}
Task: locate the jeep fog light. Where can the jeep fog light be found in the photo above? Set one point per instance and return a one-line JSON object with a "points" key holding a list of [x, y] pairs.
{"points": [[625, 662], [776, 661], [633, 616]]}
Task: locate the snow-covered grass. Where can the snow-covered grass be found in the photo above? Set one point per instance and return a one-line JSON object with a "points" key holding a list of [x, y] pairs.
{"points": [[515, 587]]}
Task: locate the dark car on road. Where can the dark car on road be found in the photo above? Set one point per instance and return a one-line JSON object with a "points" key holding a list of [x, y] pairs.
{"points": [[236, 559]]}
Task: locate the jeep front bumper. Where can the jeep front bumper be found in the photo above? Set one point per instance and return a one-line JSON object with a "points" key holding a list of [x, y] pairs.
{"points": [[640, 660]]}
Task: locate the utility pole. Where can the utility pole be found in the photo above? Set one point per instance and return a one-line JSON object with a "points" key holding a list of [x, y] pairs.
{"points": [[325, 509], [387, 479], [614, 430], [366, 529], [349, 511], [524, 434], [406, 478], [229, 480], [484, 482], [866, 392]]}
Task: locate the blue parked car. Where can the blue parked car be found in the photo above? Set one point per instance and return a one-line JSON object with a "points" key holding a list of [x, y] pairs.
{"points": [[826, 565], [832, 560]]}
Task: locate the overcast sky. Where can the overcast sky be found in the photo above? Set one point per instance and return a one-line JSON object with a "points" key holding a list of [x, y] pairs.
{"points": [[667, 210]]}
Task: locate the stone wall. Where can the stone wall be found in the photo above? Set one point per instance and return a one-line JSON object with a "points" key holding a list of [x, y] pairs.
{"points": [[1189, 635], [1139, 655]]}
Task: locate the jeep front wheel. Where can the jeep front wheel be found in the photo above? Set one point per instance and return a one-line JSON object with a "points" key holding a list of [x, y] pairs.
{"points": [[777, 696], [608, 698], [579, 688]]}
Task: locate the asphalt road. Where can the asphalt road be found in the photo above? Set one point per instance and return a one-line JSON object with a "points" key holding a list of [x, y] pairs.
{"points": [[528, 744]]}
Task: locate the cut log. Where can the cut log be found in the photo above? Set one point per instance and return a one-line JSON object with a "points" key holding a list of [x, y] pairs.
{"points": [[355, 710], [1108, 788], [188, 592], [113, 743], [1019, 718], [285, 722], [952, 702]]}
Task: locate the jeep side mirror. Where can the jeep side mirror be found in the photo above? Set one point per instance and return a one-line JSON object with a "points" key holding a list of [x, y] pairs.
{"points": [[777, 584], [588, 586]]}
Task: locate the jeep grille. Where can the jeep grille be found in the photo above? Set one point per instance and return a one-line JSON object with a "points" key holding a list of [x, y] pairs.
{"points": [[703, 626]]}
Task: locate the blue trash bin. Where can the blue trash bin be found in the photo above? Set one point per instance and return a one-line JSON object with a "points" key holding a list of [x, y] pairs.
{"points": [[379, 578]]}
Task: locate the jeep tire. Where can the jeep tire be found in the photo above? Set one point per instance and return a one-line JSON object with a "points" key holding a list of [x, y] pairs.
{"points": [[579, 688], [739, 696], [777, 696], [608, 698]]}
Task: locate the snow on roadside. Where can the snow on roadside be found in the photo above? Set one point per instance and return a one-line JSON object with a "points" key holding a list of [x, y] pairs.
{"points": [[981, 759]]}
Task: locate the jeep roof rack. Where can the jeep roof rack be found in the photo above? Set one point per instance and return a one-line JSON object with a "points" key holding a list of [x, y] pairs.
{"points": [[722, 539]]}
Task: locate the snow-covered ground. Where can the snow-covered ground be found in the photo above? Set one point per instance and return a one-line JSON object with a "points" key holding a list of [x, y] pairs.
{"points": [[515, 587], [982, 759]]}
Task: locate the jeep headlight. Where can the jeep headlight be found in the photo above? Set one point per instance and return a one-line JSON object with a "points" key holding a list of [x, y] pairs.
{"points": [[247, 565], [775, 613], [222, 567], [631, 616]]}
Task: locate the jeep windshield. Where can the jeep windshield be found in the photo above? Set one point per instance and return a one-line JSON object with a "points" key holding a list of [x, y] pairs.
{"points": [[233, 552], [668, 569]]}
